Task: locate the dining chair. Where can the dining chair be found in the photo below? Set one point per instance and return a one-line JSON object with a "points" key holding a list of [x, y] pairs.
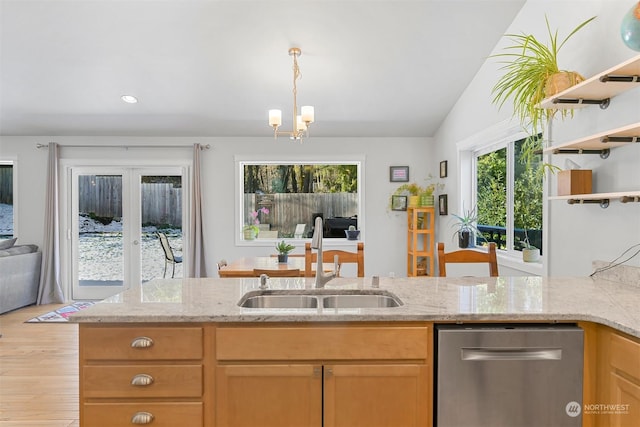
{"points": [[344, 257], [294, 272], [169, 257], [467, 256]]}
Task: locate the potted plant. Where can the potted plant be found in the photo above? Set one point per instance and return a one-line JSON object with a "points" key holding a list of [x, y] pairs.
{"points": [[418, 195], [529, 252], [466, 227], [283, 249], [532, 74], [352, 233], [251, 230]]}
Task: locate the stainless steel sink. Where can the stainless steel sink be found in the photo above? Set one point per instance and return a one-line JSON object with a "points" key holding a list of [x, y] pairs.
{"points": [[279, 301], [319, 298], [360, 301]]}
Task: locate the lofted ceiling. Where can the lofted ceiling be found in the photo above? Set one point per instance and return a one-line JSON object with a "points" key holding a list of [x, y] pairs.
{"points": [[214, 67]]}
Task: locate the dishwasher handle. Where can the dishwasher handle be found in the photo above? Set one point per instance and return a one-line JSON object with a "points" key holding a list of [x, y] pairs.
{"points": [[511, 354]]}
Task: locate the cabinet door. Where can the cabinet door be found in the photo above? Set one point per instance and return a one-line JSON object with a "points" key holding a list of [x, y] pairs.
{"points": [[626, 395], [376, 395], [268, 395]]}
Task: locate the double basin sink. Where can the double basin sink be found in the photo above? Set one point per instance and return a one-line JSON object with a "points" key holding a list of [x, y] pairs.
{"points": [[319, 298]]}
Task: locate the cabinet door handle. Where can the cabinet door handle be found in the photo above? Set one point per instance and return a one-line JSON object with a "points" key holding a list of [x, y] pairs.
{"points": [[142, 380], [141, 342], [142, 418], [328, 371], [317, 371]]}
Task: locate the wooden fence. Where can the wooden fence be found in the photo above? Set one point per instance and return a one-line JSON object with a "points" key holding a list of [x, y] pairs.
{"points": [[6, 184], [102, 197], [286, 210]]}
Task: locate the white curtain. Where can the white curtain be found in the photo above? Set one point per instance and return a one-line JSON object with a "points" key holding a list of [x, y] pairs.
{"points": [[50, 289], [195, 263]]}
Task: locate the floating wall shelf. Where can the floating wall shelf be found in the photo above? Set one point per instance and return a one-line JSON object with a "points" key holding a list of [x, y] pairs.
{"points": [[598, 89], [602, 199], [599, 143]]}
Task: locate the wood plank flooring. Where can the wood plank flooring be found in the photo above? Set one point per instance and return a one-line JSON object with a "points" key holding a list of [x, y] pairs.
{"points": [[38, 370]]}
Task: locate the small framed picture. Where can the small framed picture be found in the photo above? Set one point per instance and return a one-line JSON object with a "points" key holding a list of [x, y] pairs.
{"points": [[443, 169], [399, 173], [443, 207], [398, 203]]}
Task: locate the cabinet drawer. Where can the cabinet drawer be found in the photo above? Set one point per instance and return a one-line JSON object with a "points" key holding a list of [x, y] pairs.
{"points": [[122, 414], [625, 355], [326, 343], [152, 343], [142, 381]]}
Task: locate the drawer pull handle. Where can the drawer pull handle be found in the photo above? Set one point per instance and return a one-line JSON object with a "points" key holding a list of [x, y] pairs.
{"points": [[142, 418], [141, 342], [142, 380]]}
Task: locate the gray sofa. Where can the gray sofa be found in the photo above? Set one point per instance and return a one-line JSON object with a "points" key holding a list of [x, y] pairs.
{"points": [[19, 276]]}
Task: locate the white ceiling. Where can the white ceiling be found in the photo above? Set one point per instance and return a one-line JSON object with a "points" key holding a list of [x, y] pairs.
{"points": [[214, 67]]}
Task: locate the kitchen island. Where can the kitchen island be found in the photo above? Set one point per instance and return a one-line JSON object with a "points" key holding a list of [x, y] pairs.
{"points": [[184, 350]]}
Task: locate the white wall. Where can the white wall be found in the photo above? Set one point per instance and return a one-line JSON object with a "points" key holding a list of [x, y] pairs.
{"points": [[577, 234], [385, 234]]}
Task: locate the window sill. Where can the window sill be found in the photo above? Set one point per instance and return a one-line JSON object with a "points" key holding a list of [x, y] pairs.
{"points": [[531, 268]]}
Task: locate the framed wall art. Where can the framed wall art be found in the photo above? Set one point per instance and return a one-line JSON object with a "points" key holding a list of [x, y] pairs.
{"points": [[443, 207], [399, 173], [443, 169], [398, 203]]}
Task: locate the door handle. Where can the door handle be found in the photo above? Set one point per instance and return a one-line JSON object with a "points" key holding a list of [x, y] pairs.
{"points": [[511, 354]]}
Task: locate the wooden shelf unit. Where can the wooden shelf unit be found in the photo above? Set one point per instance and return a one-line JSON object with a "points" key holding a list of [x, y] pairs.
{"points": [[598, 90], [421, 241]]}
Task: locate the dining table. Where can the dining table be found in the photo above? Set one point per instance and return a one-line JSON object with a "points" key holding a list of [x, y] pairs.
{"points": [[243, 267]]}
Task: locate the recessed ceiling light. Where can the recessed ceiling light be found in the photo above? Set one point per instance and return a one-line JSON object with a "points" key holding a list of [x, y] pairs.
{"points": [[129, 99]]}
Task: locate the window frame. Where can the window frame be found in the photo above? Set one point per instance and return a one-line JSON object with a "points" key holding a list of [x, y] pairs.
{"points": [[484, 141], [240, 161], [14, 171]]}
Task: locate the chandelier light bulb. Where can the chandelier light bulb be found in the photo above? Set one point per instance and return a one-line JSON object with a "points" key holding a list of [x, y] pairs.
{"points": [[275, 118]]}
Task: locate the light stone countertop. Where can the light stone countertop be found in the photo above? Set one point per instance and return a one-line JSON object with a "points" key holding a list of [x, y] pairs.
{"points": [[470, 299]]}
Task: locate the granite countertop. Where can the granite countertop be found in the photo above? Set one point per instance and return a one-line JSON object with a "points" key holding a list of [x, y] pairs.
{"points": [[473, 299]]}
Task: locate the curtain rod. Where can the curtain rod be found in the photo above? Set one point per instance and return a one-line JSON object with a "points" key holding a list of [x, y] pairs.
{"points": [[125, 147]]}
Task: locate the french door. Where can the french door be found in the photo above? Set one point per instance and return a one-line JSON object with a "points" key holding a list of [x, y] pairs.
{"points": [[116, 214]]}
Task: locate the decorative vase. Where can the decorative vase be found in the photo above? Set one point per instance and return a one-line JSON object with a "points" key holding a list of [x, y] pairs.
{"points": [[283, 258], [414, 201], [352, 234], [249, 234], [630, 27], [426, 200], [464, 239], [531, 255], [560, 81]]}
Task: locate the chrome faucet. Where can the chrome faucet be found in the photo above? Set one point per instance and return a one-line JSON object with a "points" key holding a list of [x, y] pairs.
{"points": [[316, 243]]}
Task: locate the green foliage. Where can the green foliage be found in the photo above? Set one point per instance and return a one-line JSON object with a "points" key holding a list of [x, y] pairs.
{"points": [[492, 188], [284, 248], [528, 63], [289, 178], [466, 222]]}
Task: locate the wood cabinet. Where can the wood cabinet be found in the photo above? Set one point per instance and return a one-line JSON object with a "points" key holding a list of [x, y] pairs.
{"points": [[420, 242], [618, 380], [133, 375], [324, 375]]}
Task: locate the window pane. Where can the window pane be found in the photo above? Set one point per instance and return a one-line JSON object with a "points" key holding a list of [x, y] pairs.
{"points": [[527, 203], [283, 200], [492, 197], [6, 200]]}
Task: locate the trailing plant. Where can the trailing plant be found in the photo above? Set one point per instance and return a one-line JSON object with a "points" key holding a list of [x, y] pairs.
{"points": [[528, 64]]}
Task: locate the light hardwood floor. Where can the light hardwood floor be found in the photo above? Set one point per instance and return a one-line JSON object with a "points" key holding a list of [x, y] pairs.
{"points": [[38, 370]]}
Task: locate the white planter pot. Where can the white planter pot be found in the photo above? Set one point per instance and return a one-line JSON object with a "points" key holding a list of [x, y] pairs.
{"points": [[531, 255]]}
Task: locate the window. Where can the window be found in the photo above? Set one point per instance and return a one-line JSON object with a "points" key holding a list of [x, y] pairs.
{"points": [[6, 199], [282, 199], [509, 191]]}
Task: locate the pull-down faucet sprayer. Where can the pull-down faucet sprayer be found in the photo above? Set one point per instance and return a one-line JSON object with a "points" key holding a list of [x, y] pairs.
{"points": [[316, 243]]}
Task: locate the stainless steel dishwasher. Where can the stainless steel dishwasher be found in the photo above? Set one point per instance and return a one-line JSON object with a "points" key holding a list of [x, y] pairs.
{"points": [[508, 375]]}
